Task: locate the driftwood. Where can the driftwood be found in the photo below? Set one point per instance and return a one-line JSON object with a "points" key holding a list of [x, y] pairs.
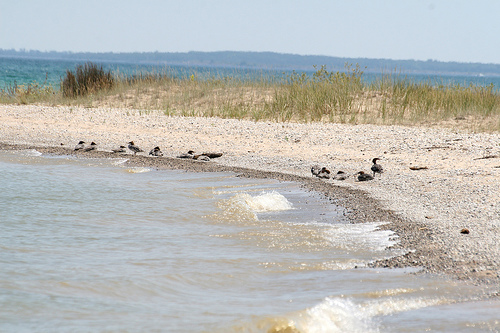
{"points": [[418, 168], [486, 157]]}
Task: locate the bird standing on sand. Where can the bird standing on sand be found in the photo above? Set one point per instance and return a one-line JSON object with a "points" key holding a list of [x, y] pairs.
{"points": [[80, 145], [93, 146], [376, 168], [134, 148], [363, 177], [156, 151], [120, 149]]}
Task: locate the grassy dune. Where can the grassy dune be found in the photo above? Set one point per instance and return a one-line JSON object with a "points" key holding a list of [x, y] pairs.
{"points": [[325, 96]]}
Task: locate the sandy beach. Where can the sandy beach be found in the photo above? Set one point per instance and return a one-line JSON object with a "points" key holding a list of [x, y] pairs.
{"points": [[436, 181]]}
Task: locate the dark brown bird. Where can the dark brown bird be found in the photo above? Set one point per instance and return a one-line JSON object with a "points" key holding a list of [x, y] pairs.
{"points": [[376, 168], [363, 177], [134, 148]]}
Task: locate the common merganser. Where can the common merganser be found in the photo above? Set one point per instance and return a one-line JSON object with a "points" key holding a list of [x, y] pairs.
{"points": [[189, 154], [315, 170], [362, 177], [93, 146], [324, 173], [121, 149], [156, 151], [376, 168], [341, 175], [80, 145], [203, 158], [134, 148]]}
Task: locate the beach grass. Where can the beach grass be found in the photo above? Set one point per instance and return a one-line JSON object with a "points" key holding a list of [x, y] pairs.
{"points": [[324, 96]]}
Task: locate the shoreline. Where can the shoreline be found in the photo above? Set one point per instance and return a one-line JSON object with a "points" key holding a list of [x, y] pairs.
{"points": [[427, 209]]}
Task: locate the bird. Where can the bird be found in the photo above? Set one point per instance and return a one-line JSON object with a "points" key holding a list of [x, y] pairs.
{"points": [[324, 173], [315, 170], [93, 146], [189, 154], [362, 177], [376, 168], [156, 151], [341, 175], [121, 149], [80, 145], [212, 155], [134, 148], [201, 157]]}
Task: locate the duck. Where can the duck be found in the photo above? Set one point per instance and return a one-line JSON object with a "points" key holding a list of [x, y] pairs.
{"points": [[341, 175], [189, 154], [121, 149], [80, 145], [201, 157], [324, 173], [93, 146], [315, 170], [363, 177], [156, 151], [376, 168], [134, 148]]}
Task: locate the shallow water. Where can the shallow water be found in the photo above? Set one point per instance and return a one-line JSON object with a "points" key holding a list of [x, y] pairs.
{"points": [[92, 245]]}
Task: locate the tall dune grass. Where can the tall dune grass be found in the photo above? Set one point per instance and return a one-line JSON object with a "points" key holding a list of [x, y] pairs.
{"points": [[324, 96], [87, 79]]}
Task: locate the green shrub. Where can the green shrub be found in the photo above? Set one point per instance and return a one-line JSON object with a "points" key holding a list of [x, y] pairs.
{"points": [[88, 79]]}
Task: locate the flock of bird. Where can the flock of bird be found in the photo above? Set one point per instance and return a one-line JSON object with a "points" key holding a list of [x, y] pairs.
{"points": [[323, 172], [122, 149], [316, 170], [156, 151]]}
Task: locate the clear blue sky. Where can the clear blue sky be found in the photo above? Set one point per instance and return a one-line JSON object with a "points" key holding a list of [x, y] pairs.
{"points": [[445, 30]]}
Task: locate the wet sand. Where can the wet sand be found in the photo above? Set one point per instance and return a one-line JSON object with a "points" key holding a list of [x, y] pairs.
{"points": [[436, 182]]}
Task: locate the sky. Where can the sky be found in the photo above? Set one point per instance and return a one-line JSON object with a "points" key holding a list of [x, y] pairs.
{"points": [[442, 30]]}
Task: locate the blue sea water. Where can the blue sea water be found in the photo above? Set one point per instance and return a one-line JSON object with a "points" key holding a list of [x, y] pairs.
{"points": [[94, 245], [22, 71]]}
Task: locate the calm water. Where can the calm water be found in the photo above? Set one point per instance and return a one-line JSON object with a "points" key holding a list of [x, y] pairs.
{"points": [[50, 72], [91, 245]]}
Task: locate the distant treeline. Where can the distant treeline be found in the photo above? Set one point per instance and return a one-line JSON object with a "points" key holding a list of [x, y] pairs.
{"points": [[267, 60]]}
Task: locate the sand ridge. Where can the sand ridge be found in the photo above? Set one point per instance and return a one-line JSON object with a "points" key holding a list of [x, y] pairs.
{"points": [[458, 189]]}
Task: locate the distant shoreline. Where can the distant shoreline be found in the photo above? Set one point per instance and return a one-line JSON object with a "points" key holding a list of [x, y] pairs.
{"points": [[268, 60], [427, 208]]}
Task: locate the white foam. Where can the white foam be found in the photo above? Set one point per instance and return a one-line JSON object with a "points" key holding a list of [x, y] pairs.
{"points": [[244, 207], [119, 161], [30, 152], [138, 170], [361, 236], [334, 315], [392, 305], [338, 314], [266, 202]]}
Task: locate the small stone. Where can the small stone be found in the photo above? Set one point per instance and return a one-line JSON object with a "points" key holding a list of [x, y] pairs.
{"points": [[464, 231]]}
